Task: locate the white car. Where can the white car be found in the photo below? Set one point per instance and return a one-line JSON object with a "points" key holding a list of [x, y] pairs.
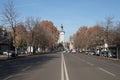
{"points": [[73, 51], [9, 53]]}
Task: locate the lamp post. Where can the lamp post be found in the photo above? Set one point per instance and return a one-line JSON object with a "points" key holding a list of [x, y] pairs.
{"points": [[106, 40]]}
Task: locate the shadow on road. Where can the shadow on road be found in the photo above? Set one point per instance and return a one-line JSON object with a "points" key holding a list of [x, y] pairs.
{"points": [[14, 66]]}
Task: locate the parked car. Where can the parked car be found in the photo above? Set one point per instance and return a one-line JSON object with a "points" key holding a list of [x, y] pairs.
{"points": [[111, 54], [97, 52], [21, 51], [73, 51], [104, 53], [91, 52], [10, 53]]}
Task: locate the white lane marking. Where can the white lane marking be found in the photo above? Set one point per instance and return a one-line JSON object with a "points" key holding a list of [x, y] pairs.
{"points": [[66, 72], [106, 71], [8, 77], [82, 60], [25, 69], [90, 64], [63, 69], [14, 75]]}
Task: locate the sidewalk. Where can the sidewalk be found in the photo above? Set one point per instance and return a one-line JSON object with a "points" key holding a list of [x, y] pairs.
{"points": [[3, 57]]}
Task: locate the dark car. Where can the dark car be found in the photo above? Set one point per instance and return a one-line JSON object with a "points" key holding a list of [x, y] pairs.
{"points": [[104, 53]]}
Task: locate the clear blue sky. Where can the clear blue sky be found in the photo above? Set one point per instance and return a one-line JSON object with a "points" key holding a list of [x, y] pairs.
{"points": [[71, 13]]}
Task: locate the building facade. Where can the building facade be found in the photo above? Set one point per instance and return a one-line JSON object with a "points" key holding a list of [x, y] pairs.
{"points": [[5, 40], [62, 35]]}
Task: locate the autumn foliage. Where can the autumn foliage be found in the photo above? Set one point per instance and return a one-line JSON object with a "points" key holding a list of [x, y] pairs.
{"points": [[46, 35], [91, 37], [39, 34]]}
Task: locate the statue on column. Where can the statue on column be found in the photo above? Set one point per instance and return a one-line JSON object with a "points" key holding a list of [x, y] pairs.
{"points": [[61, 27]]}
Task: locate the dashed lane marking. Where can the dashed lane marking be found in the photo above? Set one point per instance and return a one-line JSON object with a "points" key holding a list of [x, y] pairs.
{"points": [[90, 64], [25, 69], [106, 71]]}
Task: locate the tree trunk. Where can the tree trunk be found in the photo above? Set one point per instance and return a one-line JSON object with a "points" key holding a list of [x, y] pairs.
{"points": [[15, 51]]}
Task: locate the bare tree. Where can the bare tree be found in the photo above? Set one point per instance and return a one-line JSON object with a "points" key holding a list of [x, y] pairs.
{"points": [[30, 24], [116, 34], [108, 26], [10, 16]]}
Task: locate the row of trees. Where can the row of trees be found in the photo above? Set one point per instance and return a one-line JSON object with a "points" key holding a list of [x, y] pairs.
{"points": [[91, 37], [32, 32], [40, 34]]}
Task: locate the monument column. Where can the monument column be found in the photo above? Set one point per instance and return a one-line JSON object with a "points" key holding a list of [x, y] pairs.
{"points": [[61, 35]]}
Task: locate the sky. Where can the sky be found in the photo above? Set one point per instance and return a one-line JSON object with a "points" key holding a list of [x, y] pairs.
{"points": [[72, 14]]}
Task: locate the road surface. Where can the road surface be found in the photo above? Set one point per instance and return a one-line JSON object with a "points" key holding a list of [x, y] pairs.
{"points": [[60, 66]]}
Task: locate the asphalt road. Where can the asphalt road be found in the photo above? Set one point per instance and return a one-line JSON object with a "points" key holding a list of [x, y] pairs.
{"points": [[60, 66], [85, 67]]}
